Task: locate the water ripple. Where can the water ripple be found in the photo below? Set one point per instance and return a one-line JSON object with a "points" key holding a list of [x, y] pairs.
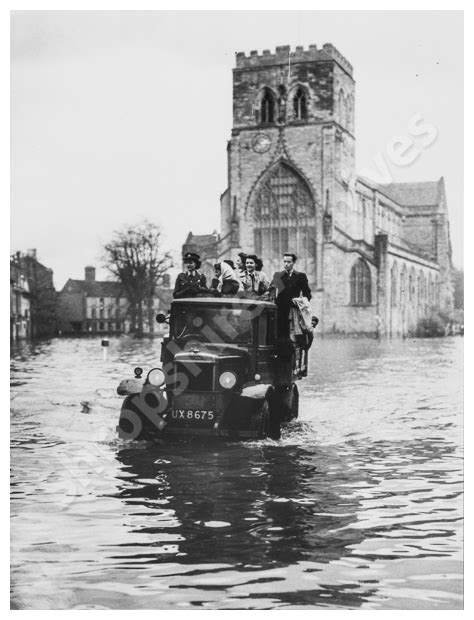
{"points": [[358, 506]]}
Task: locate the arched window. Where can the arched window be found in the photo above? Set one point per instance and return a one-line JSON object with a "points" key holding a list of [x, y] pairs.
{"points": [[361, 285], [300, 107], [411, 285], [342, 107], [403, 285], [284, 218], [421, 287], [349, 105], [394, 286], [267, 107]]}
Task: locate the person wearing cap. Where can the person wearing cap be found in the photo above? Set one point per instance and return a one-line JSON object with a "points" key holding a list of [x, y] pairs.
{"points": [[191, 282]]}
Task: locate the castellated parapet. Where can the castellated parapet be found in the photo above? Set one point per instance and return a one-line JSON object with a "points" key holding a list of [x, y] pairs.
{"points": [[282, 52]]}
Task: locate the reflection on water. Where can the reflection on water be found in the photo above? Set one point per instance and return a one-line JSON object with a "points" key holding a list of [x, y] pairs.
{"points": [[358, 506]]}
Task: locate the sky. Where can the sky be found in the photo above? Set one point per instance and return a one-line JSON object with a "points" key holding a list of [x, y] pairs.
{"points": [[121, 115]]}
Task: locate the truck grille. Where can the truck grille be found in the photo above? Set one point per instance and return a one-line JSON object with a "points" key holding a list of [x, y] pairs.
{"points": [[201, 381]]}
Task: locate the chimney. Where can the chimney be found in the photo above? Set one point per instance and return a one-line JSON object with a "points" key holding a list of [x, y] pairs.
{"points": [[32, 253], [90, 274]]}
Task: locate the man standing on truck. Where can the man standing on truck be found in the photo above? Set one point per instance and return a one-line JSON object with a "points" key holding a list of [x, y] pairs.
{"points": [[285, 286]]}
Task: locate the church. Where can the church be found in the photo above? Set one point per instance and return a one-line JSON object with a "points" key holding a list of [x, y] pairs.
{"points": [[377, 257]]}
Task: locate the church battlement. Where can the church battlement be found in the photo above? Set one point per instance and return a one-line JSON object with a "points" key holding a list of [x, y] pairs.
{"points": [[327, 52]]}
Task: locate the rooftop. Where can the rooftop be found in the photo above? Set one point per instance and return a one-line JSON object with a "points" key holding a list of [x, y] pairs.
{"points": [[418, 194], [425, 193], [96, 289], [202, 241], [283, 52]]}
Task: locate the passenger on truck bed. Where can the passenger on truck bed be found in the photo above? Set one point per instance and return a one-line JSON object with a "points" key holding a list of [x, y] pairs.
{"points": [[255, 282], [286, 285], [191, 282], [225, 282]]}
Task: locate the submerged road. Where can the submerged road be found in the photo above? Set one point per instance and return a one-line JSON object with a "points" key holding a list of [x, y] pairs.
{"points": [[359, 506]]}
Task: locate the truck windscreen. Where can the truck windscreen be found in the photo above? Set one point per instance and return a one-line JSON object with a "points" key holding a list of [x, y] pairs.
{"points": [[227, 325]]}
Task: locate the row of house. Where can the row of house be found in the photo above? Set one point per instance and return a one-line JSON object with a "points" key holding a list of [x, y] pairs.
{"points": [[87, 306], [91, 306], [32, 298]]}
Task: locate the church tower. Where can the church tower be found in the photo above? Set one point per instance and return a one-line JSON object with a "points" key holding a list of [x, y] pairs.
{"points": [[291, 157]]}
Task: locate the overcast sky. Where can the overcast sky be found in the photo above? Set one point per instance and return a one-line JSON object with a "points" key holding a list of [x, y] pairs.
{"points": [[116, 116]]}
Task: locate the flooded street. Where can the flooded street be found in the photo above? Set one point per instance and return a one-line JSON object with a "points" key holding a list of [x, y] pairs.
{"points": [[359, 506]]}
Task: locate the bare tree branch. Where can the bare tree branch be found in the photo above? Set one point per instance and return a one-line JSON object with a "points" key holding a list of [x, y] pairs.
{"points": [[135, 257]]}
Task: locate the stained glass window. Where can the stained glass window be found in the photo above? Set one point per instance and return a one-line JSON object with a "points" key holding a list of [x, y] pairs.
{"points": [[282, 206]]}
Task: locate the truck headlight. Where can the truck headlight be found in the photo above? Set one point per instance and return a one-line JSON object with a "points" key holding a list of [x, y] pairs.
{"points": [[228, 379], [156, 377]]}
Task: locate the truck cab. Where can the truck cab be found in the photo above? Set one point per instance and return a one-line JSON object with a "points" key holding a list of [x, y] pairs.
{"points": [[224, 373]]}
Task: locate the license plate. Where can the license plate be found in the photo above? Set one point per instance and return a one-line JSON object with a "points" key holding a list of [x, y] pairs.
{"points": [[193, 416]]}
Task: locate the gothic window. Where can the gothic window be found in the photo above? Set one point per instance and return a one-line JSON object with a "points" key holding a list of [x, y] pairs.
{"points": [[421, 289], [342, 107], [412, 284], [284, 215], [300, 107], [394, 285], [284, 194], [349, 112], [267, 107], [403, 284], [361, 285]]}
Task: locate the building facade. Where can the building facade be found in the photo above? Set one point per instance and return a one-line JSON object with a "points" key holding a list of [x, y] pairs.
{"points": [[43, 295], [378, 258], [90, 306], [20, 303], [33, 298]]}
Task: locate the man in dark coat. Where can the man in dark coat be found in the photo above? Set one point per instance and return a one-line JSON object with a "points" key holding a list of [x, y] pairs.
{"points": [[191, 282], [286, 285]]}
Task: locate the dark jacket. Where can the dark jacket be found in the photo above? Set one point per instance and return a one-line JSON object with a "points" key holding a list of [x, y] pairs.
{"points": [[285, 288], [189, 286]]}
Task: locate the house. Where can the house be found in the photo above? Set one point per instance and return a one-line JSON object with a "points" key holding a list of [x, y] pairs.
{"points": [[20, 303], [43, 295], [90, 306]]}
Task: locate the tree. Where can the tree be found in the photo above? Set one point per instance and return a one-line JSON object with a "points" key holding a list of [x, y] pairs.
{"points": [[134, 256]]}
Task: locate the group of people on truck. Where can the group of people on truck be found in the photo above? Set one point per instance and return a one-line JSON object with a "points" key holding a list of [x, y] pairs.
{"points": [[288, 289]]}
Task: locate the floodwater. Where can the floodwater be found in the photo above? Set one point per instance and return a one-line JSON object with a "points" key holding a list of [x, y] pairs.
{"points": [[359, 506]]}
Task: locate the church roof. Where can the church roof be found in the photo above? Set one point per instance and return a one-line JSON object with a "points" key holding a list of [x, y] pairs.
{"points": [[419, 194]]}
